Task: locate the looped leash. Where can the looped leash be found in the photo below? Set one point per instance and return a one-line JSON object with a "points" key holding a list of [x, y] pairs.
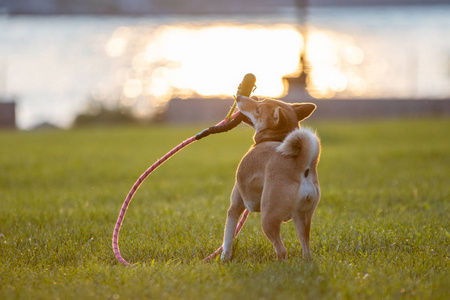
{"points": [[231, 121], [223, 126], [137, 184]]}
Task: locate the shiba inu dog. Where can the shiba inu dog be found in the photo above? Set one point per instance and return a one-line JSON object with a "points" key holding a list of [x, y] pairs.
{"points": [[278, 175]]}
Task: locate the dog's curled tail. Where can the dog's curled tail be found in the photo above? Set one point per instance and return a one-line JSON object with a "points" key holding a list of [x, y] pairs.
{"points": [[302, 142]]}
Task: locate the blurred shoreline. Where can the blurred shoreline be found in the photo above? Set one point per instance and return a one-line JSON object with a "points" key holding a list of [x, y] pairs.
{"points": [[201, 110], [194, 111]]}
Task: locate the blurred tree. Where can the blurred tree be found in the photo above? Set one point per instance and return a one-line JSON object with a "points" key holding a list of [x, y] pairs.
{"points": [[98, 114]]}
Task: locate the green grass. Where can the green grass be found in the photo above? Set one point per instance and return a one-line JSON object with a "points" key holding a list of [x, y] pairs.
{"points": [[381, 230]]}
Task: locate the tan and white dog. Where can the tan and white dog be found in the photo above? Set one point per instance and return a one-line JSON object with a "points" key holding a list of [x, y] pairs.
{"points": [[278, 175]]}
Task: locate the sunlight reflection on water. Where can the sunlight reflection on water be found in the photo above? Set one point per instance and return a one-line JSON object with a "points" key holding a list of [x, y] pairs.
{"points": [[55, 64], [185, 61]]}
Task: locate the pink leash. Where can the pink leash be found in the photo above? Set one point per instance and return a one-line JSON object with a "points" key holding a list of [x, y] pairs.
{"points": [[137, 184]]}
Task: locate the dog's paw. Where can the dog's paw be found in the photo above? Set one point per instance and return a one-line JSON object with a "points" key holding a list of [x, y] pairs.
{"points": [[307, 257], [282, 256], [226, 255]]}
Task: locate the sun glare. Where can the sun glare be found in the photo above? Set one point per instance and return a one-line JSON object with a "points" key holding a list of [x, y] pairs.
{"points": [[210, 60], [116, 46], [132, 88], [331, 59]]}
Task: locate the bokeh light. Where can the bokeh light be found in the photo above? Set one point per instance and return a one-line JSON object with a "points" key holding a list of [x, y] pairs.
{"points": [[183, 60], [207, 61]]}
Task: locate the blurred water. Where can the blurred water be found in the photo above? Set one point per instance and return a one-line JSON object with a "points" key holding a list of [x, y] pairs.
{"points": [[54, 65]]}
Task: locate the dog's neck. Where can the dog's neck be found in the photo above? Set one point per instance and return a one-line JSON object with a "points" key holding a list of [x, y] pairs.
{"points": [[271, 135]]}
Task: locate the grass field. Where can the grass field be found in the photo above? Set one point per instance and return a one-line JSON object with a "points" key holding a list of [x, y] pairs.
{"points": [[381, 230]]}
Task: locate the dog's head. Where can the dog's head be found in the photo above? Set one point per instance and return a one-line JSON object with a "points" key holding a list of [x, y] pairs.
{"points": [[273, 119]]}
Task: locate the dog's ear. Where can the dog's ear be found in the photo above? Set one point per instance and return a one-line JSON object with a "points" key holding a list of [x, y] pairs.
{"points": [[279, 117], [303, 110]]}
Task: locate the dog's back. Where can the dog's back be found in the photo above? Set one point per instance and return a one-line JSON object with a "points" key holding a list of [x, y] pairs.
{"points": [[290, 165]]}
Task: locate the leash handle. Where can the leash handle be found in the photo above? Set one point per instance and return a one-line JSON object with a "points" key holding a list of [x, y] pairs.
{"points": [[236, 119]]}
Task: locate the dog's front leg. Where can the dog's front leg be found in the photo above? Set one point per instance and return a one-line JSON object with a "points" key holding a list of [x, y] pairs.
{"points": [[235, 210]]}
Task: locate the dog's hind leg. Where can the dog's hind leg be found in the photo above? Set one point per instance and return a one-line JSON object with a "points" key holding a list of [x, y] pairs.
{"points": [[271, 227], [236, 209], [302, 221]]}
